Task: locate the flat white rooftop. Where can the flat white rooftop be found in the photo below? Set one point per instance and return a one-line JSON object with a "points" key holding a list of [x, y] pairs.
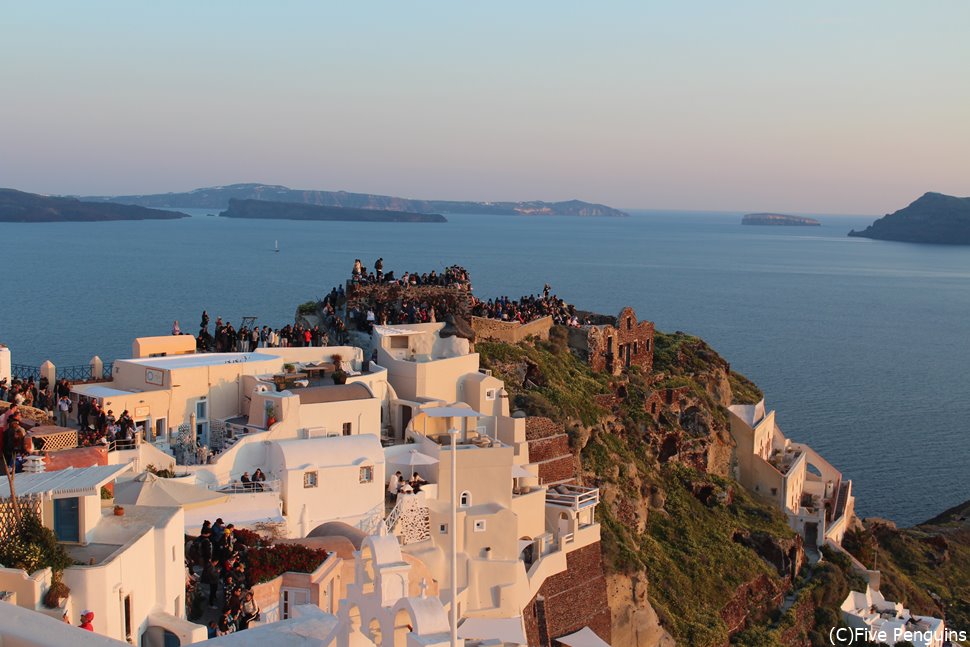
{"points": [[99, 391], [200, 359]]}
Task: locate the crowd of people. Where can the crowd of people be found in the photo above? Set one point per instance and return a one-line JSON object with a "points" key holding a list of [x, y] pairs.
{"points": [[29, 394], [227, 338], [528, 308], [217, 560], [454, 276], [16, 444]]}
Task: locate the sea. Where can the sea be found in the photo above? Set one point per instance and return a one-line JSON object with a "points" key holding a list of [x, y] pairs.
{"points": [[862, 347]]}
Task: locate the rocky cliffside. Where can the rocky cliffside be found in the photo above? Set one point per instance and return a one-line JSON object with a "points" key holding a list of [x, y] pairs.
{"points": [[17, 206], [932, 218], [690, 557], [217, 197]]}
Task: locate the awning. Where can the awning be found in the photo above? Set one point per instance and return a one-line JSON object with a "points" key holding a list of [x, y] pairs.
{"points": [[520, 472], [585, 637], [411, 458], [148, 489], [507, 630]]}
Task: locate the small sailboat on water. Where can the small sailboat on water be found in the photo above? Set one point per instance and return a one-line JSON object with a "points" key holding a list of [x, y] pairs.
{"points": [[277, 250]]}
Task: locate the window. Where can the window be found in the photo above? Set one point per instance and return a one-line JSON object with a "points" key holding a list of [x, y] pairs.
{"points": [[479, 525], [290, 598], [348, 427], [443, 529], [309, 479], [200, 409], [629, 323], [774, 491], [367, 474], [635, 349], [465, 500], [490, 394]]}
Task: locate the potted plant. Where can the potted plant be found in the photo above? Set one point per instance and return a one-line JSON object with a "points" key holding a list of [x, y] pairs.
{"points": [[270, 414], [119, 511], [57, 592], [289, 368]]}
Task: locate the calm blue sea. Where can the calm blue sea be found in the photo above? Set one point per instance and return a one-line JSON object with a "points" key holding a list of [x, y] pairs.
{"points": [[861, 346]]}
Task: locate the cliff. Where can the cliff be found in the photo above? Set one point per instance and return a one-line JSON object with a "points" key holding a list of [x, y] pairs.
{"points": [[294, 211], [932, 218], [925, 567], [218, 198], [17, 206], [689, 557], [779, 219]]}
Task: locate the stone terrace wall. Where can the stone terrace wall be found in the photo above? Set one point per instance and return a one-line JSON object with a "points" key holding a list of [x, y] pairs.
{"points": [[510, 332], [571, 600], [549, 446]]}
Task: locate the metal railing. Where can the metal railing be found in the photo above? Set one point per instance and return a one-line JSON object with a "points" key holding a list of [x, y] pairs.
{"points": [[24, 372], [574, 497], [392, 518], [236, 487]]}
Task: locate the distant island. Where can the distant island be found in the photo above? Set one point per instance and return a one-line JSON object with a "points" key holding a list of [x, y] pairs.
{"points": [[779, 219], [297, 211], [218, 197], [19, 206], [932, 218]]}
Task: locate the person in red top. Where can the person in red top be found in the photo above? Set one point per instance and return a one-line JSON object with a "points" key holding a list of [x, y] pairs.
{"points": [[86, 618]]}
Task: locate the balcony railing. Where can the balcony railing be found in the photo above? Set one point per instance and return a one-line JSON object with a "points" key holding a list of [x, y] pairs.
{"points": [[574, 497], [236, 487]]}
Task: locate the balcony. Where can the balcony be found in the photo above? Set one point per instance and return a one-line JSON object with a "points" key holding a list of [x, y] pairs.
{"points": [[574, 497]]}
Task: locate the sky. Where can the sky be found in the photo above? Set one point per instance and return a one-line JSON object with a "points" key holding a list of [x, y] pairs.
{"points": [[823, 107]]}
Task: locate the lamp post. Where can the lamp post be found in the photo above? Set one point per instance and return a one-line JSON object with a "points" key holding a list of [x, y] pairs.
{"points": [[453, 433]]}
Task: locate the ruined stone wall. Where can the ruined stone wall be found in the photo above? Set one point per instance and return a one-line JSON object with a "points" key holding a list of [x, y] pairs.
{"points": [[571, 600], [510, 332], [611, 348]]}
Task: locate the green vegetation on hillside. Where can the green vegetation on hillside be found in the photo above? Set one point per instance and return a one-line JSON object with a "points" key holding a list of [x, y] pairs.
{"points": [[686, 548], [924, 567], [559, 386]]}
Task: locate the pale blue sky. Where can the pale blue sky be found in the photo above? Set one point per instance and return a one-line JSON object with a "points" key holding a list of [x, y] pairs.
{"points": [[838, 107]]}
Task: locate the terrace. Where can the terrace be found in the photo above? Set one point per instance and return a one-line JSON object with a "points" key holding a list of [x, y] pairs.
{"points": [[574, 497], [785, 460]]}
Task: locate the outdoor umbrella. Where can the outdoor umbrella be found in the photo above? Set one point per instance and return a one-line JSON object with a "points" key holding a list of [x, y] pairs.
{"points": [[148, 489]]}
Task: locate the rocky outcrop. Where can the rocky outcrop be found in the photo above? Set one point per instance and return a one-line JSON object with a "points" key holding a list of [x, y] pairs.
{"points": [[779, 219], [635, 623], [932, 218], [262, 209], [752, 602], [17, 206]]}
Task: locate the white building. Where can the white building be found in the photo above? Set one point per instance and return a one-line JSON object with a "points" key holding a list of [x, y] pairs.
{"points": [[130, 568], [816, 500], [887, 622]]}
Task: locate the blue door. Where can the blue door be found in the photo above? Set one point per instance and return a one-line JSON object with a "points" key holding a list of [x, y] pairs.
{"points": [[67, 525]]}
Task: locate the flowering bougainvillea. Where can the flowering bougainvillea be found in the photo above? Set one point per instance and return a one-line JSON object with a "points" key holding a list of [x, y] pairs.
{"points": [[265, 563]]}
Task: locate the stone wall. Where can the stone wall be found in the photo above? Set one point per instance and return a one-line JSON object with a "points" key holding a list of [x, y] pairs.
{"points": [[510, 332], [540, 427], [549, 446], [611, 348], [571, 600], [543, 449]]}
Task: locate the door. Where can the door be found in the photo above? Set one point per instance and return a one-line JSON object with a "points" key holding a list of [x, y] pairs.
{"points": [[67, 524], [405, 419]]}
